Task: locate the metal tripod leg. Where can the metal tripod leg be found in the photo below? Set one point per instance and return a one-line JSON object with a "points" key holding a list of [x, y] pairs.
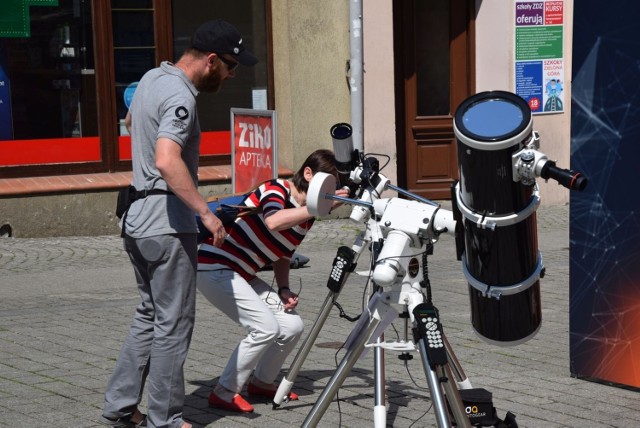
{"points": [[461, 378], [287, 382], [380, 408], [343, 370], [440, 379]]}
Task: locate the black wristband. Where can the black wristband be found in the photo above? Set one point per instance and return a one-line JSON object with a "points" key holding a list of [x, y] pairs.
{"points": [[280, 290]]}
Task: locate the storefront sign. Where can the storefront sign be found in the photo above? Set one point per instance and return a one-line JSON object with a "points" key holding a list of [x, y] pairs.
{"points": [[539, 61], [6, 124], [15, 20], [254, 148]]}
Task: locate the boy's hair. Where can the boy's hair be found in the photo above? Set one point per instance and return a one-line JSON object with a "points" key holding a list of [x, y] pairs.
{"points": [[321, 160]]}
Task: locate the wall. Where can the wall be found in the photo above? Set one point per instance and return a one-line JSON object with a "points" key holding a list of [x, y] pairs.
{"points": [[379, 96], [90, 213], [495, 39], [310, 49]]}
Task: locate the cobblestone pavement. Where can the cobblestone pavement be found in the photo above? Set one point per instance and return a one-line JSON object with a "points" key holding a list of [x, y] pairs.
{"points": [[66, 304]]}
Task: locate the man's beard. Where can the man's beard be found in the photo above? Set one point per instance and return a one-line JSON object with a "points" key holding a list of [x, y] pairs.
{"points": [[211, 83]]}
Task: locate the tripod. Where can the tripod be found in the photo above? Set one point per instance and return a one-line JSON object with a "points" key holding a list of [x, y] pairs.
{"points": [[398, 266], [440, 364]]}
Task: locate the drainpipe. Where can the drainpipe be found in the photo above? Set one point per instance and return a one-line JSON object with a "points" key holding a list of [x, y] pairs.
{"points": [[356, 73]]}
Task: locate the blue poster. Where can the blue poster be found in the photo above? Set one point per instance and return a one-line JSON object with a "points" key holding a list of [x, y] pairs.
{"points": [[6, 124], [605, 219], [529, 83]]}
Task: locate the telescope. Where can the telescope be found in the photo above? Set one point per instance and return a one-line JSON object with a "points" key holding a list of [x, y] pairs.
{"points": [[497, 197], [493, 220]]}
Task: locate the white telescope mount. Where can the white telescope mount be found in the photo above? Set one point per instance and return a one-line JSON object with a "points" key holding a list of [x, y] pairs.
{"points": [[406, 230]]}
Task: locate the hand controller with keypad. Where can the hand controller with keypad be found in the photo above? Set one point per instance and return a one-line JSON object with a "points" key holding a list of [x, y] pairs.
{"points": [[429, 328], [342, 265]]}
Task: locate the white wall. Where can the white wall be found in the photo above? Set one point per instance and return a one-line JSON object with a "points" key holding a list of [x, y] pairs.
{"points": [[379, 99], [495, 45]]}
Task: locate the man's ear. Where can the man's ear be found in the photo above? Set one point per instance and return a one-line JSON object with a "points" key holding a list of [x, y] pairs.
{"points": [[308, 174]]}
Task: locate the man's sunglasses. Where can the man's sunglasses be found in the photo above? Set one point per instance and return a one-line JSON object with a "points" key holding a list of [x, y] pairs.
{"points": [[231, 65]]}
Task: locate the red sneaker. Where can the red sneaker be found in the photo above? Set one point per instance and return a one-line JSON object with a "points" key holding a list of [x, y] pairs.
{"points": [[238, 404], [253, 390]]}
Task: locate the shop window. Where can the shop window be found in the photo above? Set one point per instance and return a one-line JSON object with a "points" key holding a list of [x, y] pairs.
{"points": [[48, 109], [69, 68], [134, 53]]}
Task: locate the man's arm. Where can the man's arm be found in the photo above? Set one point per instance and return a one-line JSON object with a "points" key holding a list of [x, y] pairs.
{"points": [[289, 217], [281, 269], [175, 172], [127, 121]]}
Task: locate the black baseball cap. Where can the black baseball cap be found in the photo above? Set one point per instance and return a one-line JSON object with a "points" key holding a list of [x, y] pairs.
{"points": [[220, 37]]}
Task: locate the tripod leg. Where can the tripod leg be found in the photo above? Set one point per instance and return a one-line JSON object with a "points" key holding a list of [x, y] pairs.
{"points": [[432, 344], [456, 368], [344, 368], [286, 384], [440, 378], [343, 264], [380, 408]]}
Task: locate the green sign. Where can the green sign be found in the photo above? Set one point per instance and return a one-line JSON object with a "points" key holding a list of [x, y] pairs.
{"points": [[538, 42], [15, 20]]}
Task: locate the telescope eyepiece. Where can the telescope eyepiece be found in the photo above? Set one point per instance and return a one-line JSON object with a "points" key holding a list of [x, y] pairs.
{"points": [[570, 179]]}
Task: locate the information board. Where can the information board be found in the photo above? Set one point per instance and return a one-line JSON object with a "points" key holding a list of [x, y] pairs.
{"points": [[539, 58], [254, 148]]}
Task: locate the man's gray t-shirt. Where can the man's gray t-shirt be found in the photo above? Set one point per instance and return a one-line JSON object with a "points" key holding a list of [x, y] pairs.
{"points": [[164, 105]]}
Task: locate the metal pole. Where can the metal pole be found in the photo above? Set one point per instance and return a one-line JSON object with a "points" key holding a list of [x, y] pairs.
{"points": [[287, 381], [380, 392], [343, 370], [356, 74]]}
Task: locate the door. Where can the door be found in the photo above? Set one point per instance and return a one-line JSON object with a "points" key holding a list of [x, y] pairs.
{"points": [[433, 44]]}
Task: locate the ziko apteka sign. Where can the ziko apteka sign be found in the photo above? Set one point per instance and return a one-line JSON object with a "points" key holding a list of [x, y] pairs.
{"points": [[254, 148]]}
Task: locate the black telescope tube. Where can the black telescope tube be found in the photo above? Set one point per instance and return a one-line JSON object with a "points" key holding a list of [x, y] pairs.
{"points": [[342, 147], [569, 179]]}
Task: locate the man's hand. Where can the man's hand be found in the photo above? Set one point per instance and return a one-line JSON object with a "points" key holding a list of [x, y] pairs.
{"points": [[344, 193], [214, 225], [289, 298]]}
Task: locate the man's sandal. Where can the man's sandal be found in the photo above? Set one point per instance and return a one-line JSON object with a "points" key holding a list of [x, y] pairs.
{"points": [[134, 420]]}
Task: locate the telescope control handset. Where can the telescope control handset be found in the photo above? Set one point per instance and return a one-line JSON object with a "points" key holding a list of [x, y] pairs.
{"points": [[343, 264], [429, 328], [529, 163]]}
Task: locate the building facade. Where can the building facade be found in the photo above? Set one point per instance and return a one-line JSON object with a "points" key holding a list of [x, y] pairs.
{"points": [[68, 69]]}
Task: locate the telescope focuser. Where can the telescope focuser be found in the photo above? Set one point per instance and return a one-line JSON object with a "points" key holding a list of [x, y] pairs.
{"points": [[529, 163]]}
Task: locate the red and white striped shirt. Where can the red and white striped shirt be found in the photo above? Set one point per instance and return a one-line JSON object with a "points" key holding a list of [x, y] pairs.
{"points": [[250, 245]]}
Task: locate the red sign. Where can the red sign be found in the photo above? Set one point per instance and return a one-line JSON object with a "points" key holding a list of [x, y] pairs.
{"points": [[553, 13], [534, 103], [254, 154]]}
